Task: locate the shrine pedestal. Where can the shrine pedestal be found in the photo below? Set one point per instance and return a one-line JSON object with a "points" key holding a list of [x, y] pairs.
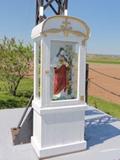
{"points": [[58, 130], [59, 86]]}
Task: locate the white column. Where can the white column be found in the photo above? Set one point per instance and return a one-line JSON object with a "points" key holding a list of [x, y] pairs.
{"points": [[82, 73], [36, 70], [65, 12], [41, 10]]}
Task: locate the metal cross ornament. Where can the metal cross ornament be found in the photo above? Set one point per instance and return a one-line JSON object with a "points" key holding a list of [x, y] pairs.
{"points": [[58, 7]]}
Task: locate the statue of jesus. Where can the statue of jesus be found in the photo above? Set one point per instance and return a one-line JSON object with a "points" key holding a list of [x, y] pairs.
{"points": [[60, 75]]}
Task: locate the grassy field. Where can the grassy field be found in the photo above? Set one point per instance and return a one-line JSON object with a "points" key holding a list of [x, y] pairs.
{"points": [[24, 92], [103, 59], [108, 107]]}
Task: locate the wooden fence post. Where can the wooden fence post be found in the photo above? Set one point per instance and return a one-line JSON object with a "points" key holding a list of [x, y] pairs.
{"points": [[86, 87]]}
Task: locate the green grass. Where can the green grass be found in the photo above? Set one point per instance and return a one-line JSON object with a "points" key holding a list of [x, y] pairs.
{"points": [[103, 59], [8, 101], [108, 107], [25, 88], [24, 92], [3, 88]]}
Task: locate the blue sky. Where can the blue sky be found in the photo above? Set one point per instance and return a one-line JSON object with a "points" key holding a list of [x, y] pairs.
{"points": [[17, 18]]}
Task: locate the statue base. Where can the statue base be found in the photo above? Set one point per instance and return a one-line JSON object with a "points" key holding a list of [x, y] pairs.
{"points": [[57, 150], [58, 130]]}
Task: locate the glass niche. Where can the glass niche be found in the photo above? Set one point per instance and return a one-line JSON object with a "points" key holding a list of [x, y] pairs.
{"points": [[37, 72], [63, 70]]}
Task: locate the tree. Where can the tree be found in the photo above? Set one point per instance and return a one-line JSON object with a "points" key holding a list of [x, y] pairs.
{"points": [[15, 62]]}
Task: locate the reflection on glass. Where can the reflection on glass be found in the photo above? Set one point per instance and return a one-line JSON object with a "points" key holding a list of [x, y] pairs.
{"points": [[39, 71], [64, 68]]}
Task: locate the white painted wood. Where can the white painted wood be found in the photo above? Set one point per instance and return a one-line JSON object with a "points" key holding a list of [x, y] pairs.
{"points": [[58, 125], [65, 12], [41, 10], [36, 70], [48, 110], [82, 71], [56, 22]]}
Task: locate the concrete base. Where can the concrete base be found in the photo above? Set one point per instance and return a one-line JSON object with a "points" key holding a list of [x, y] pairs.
{"points": [[57, 150], [58, 130], [103, 139]]}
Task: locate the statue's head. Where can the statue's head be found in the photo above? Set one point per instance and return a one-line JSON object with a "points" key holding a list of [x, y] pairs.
{"points": [[61, 52]]}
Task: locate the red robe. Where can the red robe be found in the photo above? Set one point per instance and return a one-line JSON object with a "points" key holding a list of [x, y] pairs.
{"points": [[60, 79]]}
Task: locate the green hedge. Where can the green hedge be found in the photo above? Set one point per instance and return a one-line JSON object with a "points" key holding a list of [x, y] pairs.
{"points": [[7, 101], [24, 92]]}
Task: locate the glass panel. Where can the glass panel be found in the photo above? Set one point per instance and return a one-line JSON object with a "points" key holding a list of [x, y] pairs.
{"points": [[64, 70], [39, 70]]}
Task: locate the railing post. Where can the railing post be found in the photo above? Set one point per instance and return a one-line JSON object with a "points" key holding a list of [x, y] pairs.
{"points": [[65, 7]]}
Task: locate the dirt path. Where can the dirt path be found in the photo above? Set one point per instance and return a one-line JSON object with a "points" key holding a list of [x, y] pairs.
{"points": [[106, 82]]}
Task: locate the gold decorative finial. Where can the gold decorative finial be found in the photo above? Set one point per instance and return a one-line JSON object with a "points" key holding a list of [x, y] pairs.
{"points": [[66, 28]]}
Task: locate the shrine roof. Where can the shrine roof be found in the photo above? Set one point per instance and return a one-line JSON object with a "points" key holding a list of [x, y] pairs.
{"points": [[61, 24]]}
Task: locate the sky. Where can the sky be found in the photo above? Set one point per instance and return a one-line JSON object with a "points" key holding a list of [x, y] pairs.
{"points": [[17, 18]]}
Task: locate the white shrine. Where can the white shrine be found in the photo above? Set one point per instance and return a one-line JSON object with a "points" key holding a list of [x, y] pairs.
{"points": [[59, 86]]}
